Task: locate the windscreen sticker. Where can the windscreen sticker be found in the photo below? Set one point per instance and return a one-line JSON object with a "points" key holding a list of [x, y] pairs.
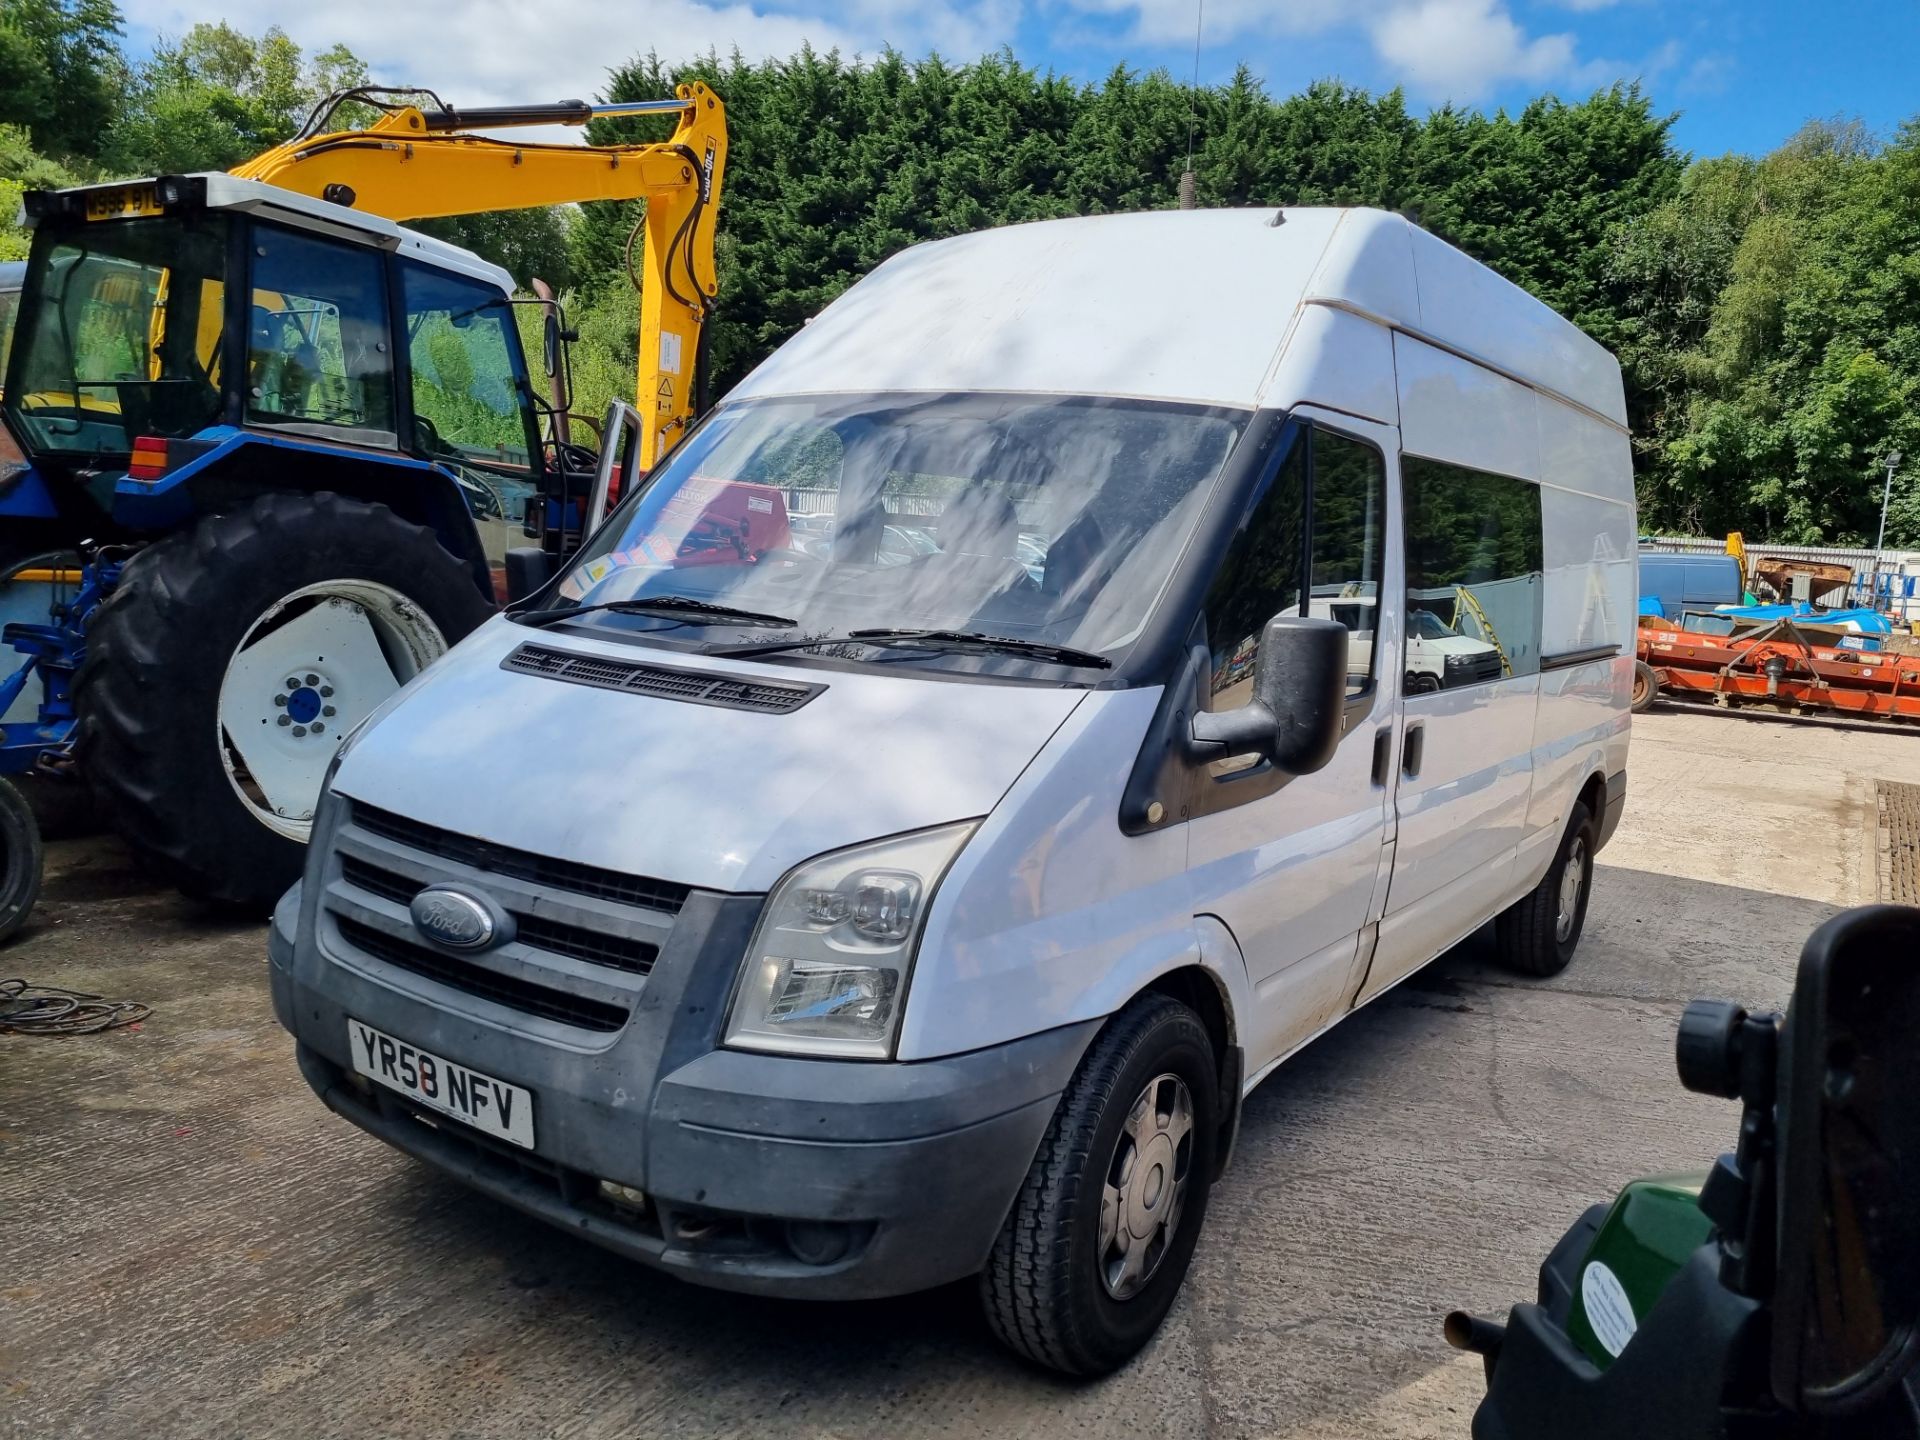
{"points": [[1609, 1311]]}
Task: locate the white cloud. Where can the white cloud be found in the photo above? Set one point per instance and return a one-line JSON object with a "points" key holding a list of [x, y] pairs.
{"points": [[1709, 75], [1598, 73], [477, 52], [1461, 49], [1458, 50]]}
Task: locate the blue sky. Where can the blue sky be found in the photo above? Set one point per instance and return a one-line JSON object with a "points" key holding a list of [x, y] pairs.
{"points": [[1744, 74]]}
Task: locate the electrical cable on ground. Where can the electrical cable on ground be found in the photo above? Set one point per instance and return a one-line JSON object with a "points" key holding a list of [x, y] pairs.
{"points": [[48, 1010]]}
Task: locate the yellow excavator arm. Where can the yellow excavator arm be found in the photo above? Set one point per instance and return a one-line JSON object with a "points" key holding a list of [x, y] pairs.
{"points": [[421, 164]]}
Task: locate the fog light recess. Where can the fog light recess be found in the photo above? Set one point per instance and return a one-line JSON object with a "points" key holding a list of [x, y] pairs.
{"points": [[818, 1242], [627, 1197]]}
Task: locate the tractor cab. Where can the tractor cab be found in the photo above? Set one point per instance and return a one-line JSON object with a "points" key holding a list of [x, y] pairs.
{"points": [[172, 327]]}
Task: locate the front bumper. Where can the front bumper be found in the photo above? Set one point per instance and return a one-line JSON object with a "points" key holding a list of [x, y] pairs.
{"points": [[763, 1173]]}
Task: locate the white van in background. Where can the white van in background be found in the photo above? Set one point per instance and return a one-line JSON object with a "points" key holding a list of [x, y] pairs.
{"points": [[855, 921]]}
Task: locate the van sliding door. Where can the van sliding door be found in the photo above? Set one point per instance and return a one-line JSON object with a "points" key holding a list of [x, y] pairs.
{"points": [[1471, 677]]}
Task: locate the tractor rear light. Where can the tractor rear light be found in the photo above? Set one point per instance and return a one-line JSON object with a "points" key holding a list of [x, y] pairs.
{"points": [[149, 460]]}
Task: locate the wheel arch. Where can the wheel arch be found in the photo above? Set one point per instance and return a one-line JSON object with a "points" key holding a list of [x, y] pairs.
{"points": [[1214, 985], [1593, 794], [424, 494]]}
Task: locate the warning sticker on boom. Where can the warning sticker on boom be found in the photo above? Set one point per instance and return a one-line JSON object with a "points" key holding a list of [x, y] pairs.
{"points": [[669, 352]]}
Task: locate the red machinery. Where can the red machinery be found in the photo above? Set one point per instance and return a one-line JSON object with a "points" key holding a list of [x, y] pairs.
{"points": [[1782, 667]]}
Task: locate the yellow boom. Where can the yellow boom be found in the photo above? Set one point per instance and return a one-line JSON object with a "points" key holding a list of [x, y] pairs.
{"points": [[421, 164]]}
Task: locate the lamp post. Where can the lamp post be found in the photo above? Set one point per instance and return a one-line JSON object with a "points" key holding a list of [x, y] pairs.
{"points": [[1894, 458]]}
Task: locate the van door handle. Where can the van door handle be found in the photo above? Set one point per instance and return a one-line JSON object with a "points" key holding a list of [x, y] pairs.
{"points": [[1382, 754], [1413, 750]]}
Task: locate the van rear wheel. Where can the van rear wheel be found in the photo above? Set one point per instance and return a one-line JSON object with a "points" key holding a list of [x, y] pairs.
{"points": [[1538, 934], [1103, 1229]]}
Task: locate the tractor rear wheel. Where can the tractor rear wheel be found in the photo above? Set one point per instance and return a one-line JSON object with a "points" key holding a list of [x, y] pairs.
{"points": [[230, 662]]}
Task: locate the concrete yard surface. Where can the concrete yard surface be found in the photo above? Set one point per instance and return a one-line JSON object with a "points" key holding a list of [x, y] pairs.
{"points": [[196, 1247]]}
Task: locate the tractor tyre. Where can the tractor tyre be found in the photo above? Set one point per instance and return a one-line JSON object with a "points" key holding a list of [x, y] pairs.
{"points": [[21, 858], [1646, 687], [232, 659]]}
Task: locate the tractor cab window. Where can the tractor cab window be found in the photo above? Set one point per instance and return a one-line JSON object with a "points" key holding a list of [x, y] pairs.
{"points": [[469, 388], [115, 334], [469, 375], [319, 357]]}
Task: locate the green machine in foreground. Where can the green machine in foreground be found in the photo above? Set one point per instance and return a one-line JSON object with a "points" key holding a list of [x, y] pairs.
{"points": [[1776, 1297]]}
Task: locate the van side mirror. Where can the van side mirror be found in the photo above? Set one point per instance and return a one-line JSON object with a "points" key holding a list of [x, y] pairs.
{"points": [[1293, 717], [1847, 1299]]}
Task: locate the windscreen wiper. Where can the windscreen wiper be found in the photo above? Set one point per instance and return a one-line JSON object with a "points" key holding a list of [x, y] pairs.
{"points": [[962, 640], [679, 607]]}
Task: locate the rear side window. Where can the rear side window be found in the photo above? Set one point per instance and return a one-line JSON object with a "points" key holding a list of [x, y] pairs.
{"points": [[1473, 575]]}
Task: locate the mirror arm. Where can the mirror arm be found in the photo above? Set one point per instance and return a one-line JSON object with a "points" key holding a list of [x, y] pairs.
{"points": [[1222, 734]]}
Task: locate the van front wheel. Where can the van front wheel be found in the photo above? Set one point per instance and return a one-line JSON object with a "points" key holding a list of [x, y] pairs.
{"points": [[1103, 1229], [1538, 934]]}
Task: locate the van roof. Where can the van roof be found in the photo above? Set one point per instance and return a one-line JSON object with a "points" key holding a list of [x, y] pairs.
{"points": [[1177, 305]]}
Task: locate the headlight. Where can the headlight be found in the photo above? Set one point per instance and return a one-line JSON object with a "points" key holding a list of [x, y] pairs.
{"points": [[827, 971]]}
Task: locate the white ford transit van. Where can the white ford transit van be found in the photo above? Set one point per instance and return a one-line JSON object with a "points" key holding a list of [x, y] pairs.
{"points": [[919, 902]]}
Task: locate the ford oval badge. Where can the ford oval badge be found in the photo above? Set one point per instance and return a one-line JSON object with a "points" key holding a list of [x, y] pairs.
{"points": [[451, 917]]}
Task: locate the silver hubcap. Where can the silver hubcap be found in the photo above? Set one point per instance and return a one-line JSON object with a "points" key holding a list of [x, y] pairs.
{"points": [[1146, 1189], [1573, 879]]}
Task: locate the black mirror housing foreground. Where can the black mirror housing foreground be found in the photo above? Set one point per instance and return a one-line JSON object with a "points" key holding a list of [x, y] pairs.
{"points": [[1847, 1293], [1295, 715]]}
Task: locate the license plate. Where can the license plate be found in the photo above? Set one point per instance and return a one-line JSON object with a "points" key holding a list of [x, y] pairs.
{"points": [[490, 1106], [123, 202]]}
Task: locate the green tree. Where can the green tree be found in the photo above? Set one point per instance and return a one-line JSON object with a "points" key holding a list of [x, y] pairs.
{"points": [[1772, 319], [61, 72], [217, 97]]}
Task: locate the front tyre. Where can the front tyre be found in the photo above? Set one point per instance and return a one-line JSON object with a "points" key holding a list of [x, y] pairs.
{"points": [[1103, 1229], [231, 660]]}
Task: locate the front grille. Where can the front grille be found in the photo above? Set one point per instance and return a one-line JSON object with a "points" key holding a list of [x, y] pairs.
{"points": [[580, 942], [618, 951], [1474, 669], [509, 990], [541, 870], [634, 677], [375, 881]]}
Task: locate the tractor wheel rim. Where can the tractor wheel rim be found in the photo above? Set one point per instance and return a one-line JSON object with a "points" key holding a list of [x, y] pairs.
{"points": [[314, 664], [1145, 1192], [1573, 882]]}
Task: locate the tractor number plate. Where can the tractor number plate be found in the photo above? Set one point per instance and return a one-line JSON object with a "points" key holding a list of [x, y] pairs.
{"points": [[123, 202]]}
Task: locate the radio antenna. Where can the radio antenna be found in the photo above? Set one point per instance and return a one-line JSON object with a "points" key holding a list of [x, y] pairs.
{"points": [[1188, 184]]}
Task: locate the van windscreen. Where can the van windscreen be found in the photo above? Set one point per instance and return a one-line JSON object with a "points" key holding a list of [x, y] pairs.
{"points": [[1039, 518]]}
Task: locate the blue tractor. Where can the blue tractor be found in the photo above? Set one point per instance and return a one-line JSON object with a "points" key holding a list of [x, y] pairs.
{"points": [[286, 443], [282, 442]]}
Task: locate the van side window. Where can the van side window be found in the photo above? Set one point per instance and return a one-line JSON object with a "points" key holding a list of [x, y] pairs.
{"points": [[1260, 576], [1473, 575], [1349, 517]]}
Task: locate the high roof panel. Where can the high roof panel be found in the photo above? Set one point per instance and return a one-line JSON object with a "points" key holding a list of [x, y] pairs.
{"points": [[1176, 305]]}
